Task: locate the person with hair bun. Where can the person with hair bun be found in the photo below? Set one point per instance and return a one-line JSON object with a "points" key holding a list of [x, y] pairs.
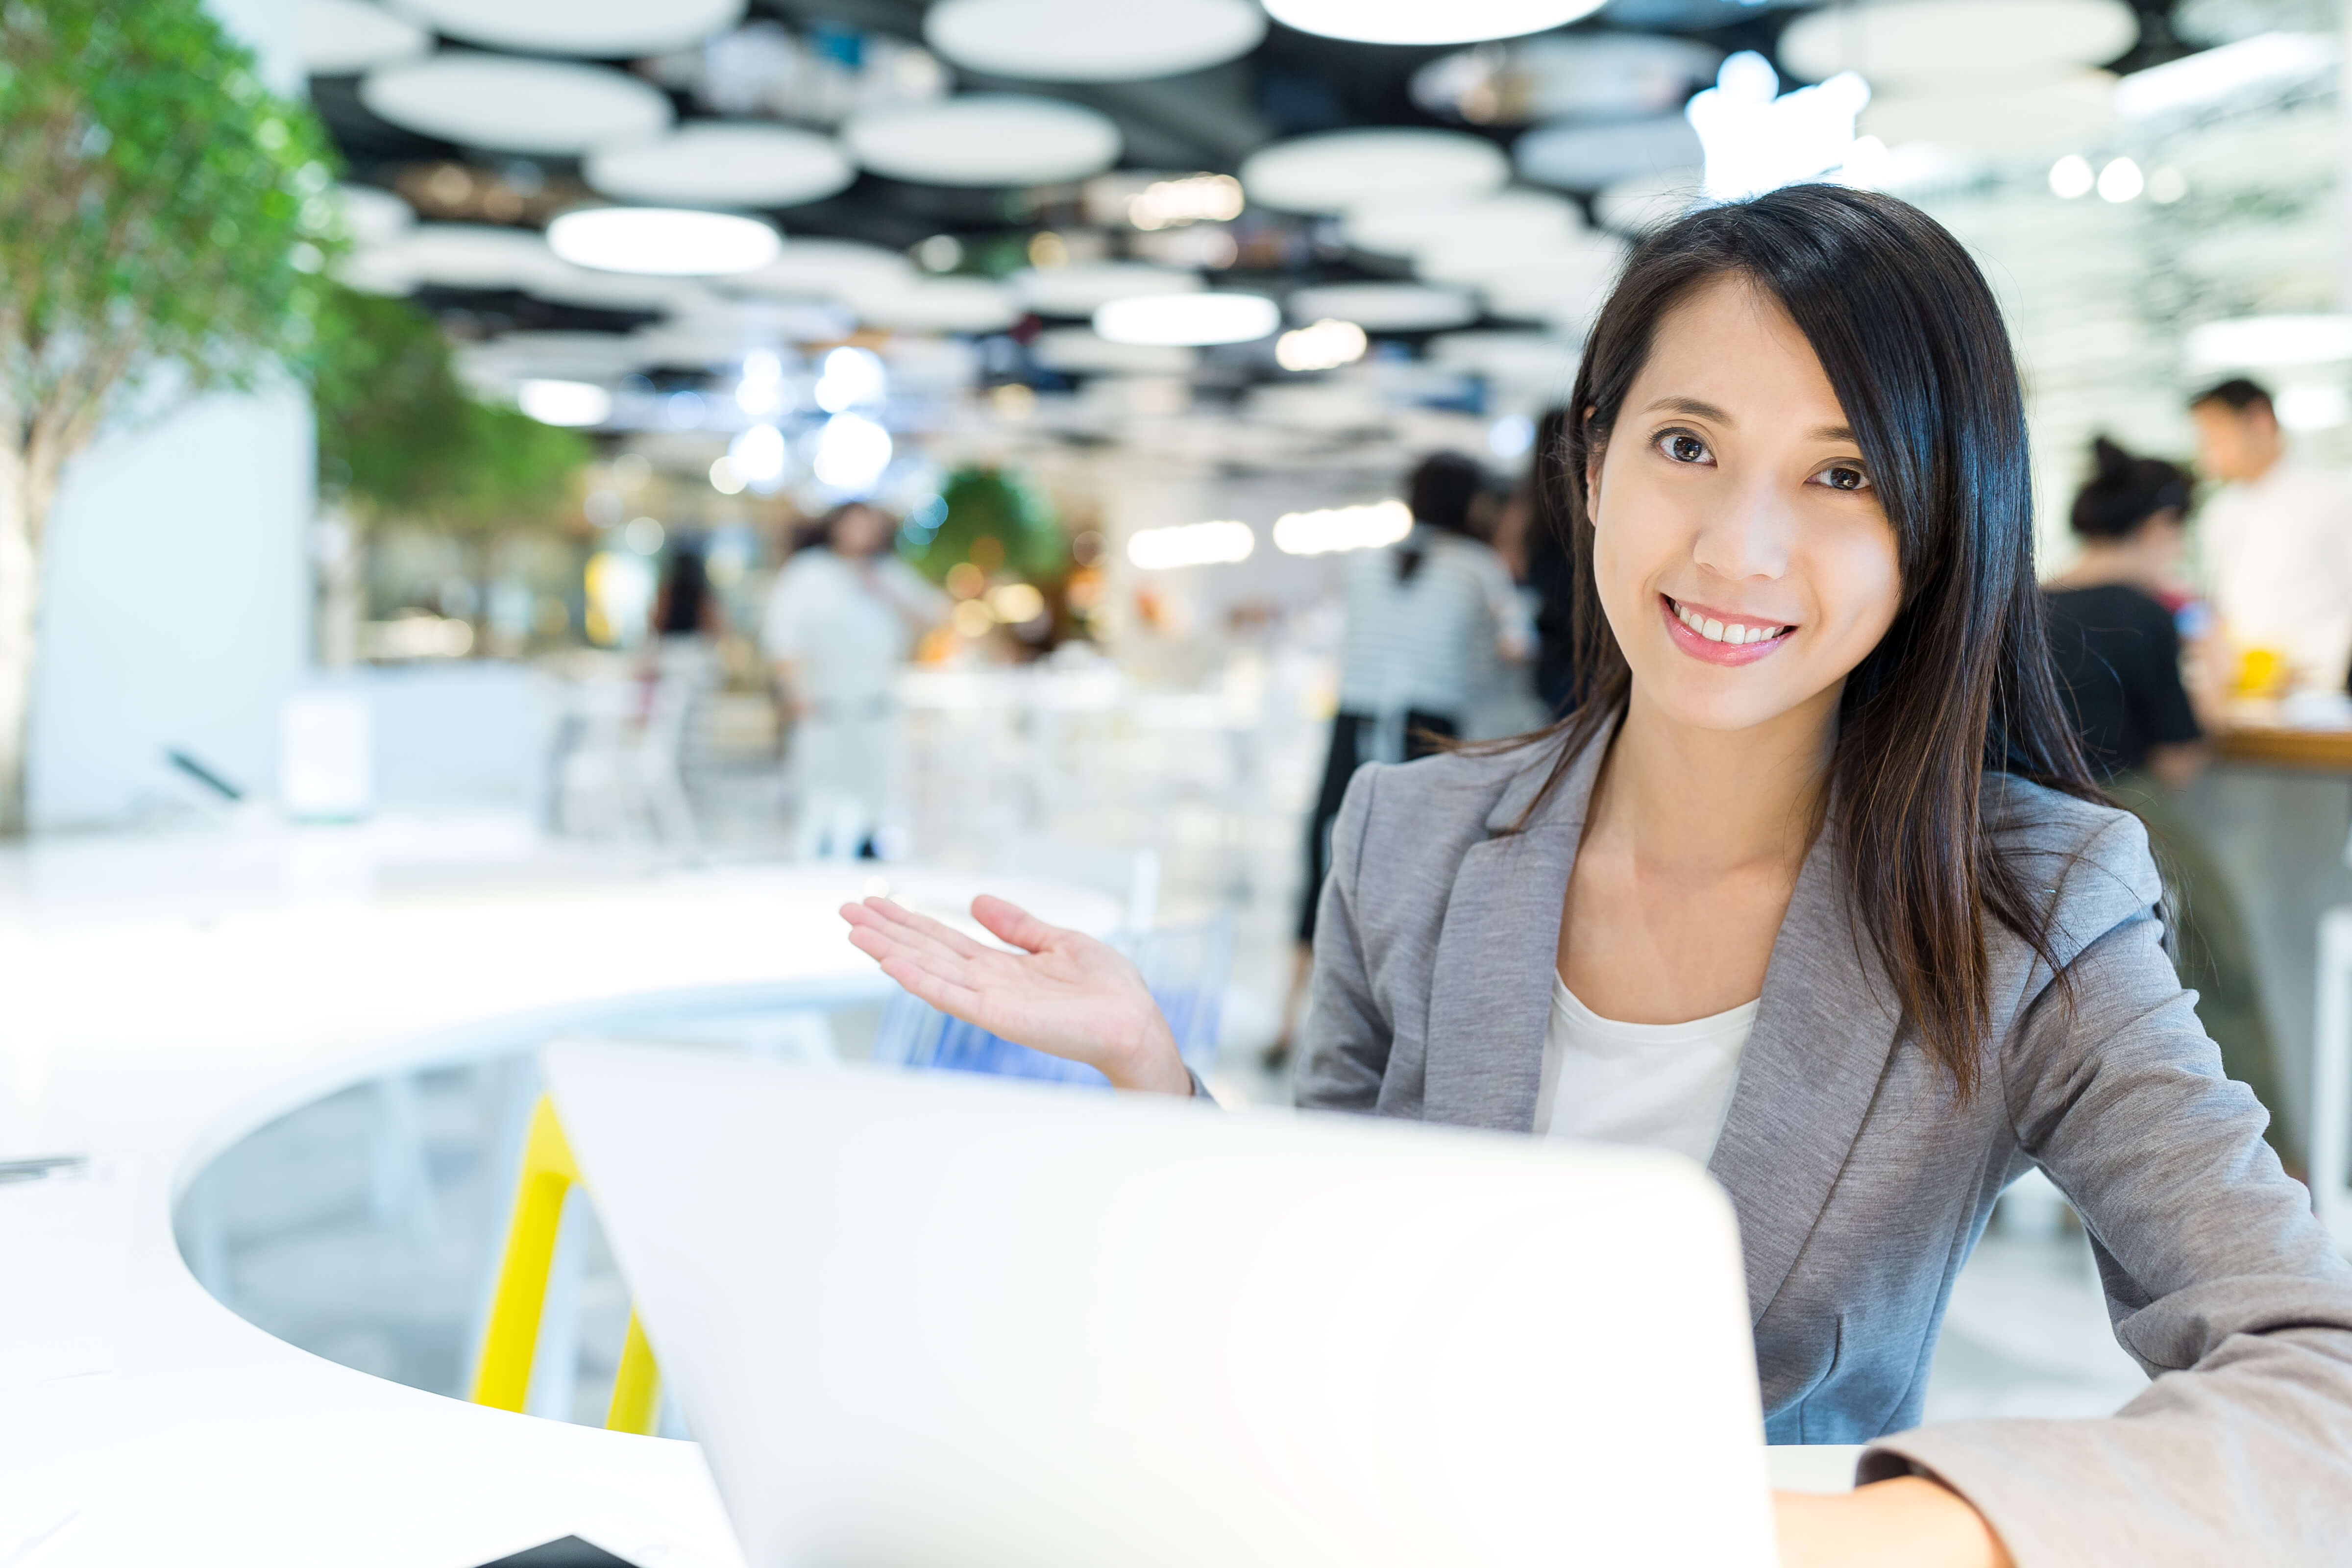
{"points": [[2116, 640]]}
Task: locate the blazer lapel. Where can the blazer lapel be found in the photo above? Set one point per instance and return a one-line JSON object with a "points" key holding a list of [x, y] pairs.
{"points": [[1811, 1067], [1490, 988]]}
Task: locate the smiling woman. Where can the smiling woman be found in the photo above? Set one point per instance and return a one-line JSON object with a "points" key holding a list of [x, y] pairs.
{"points": [[1813, 887]]}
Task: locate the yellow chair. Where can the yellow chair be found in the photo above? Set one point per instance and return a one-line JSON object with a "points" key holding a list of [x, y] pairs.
{"points": [[502, 1372]]}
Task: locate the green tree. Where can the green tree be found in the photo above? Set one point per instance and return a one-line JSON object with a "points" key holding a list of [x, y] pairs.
{"points": [[997, 516], [400, 439], [163, 222]]}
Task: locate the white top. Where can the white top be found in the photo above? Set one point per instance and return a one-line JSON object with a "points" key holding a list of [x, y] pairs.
{"points": [[1433, 642], [845, 624], [1664, 1085], [2280, 552]]}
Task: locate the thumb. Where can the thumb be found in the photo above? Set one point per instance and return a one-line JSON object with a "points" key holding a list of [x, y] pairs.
{"points": [[1013, 923]]}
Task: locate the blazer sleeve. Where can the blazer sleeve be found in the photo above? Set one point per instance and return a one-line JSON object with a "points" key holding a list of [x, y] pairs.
{"points": [[2219, 1281], [1345, 1037]]}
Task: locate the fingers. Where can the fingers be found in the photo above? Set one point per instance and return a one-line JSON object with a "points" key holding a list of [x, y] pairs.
{"points": [[1011, 922], [906, 925], [960, 1000]]}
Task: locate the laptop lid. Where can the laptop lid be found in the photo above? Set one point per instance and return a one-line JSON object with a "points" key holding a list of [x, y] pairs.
{"points": [[927, 1319]]}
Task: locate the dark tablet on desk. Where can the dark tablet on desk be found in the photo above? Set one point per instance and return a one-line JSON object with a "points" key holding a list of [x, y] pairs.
{"points": [[569, 1552]]}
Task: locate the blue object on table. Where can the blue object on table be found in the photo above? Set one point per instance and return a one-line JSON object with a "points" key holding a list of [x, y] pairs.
{"points": [[1186, 967]]}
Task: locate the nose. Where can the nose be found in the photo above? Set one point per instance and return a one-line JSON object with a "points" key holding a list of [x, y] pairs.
{"points": [[1748, 535]]}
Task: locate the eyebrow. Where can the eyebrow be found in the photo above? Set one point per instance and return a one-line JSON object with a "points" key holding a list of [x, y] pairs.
{"points": [[1697, 409]]}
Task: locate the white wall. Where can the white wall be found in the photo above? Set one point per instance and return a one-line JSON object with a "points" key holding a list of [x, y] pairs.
{"points": [[175, 599], [175, 608]]}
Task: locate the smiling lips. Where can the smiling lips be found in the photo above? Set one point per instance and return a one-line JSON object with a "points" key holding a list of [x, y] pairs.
{"points": [[1719, 638]]}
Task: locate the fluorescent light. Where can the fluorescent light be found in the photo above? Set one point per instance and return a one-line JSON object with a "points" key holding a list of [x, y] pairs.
{"points": [[2121, 181], [2251, 341], [564, 401], [851, 453], [1759, 139], [2071, 176], [724, 478], [2317, 407], [1189, 319], [670, 242], [1189, 545], [2217, 73], [1326, 345], [757, 457], [1342, 528], [852, 378], [1418, 22], [1195, 198], [1016, 604]]}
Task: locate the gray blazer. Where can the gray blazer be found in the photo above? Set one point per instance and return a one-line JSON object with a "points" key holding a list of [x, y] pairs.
{"points": [[1861, 1186]]}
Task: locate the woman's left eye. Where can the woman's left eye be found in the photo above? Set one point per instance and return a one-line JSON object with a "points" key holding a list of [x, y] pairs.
{"points": [[1845, 476]]}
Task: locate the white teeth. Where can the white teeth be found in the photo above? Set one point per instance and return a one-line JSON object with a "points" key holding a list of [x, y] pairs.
{"points": [[1733, 632]]}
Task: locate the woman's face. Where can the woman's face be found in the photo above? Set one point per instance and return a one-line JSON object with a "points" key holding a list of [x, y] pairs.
{"points": [[1739, 550]]}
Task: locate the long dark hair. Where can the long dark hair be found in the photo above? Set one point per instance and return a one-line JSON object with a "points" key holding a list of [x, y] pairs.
{"points": [[1915, 347], [2124, 491]]}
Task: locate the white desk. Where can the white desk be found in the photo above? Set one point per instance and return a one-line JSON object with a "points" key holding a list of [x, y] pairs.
{"points": [[151, 1018], [152, 1025]]}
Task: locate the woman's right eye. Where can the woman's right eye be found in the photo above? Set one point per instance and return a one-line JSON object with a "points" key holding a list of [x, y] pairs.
{"points": [[1683, 447]]}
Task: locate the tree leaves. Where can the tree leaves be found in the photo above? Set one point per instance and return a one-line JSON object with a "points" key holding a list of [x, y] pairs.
{"points": [[151, 201], [399, 437]]}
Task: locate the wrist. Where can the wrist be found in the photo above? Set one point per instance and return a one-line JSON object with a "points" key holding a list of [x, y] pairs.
{"points": [[1150, 1063]]}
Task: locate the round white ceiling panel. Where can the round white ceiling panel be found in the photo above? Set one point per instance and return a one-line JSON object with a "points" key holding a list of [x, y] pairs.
{"points": [[822, 268], [343, 38], [373, 216], [723, 165], [983, 139], [1924, 41], [936, 305], [382, 270], [1341, 169], [769, 321], [599, 290], [1571, 296], [475, 256], [1385, 306], [1998, 119], [549, 108], [596, 29], [1085, 286], [1419, 22], [1524, 358], [1082, 351], [1475, 259], [1509, 217], [1579, 157], [1087, 40], [1641, 204], [1600, 76]]}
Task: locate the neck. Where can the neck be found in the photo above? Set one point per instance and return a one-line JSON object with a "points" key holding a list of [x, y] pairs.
{"points": [[2104, 561], [1717, 799]]}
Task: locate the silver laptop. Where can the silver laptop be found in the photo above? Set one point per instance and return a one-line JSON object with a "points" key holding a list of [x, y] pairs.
{"points": [[923, 1319]]}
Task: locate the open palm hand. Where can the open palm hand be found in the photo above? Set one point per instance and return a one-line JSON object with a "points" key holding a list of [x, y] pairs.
{"points": [[1062, 993]]}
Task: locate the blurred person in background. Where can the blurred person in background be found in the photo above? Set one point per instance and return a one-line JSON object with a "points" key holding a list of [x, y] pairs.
{"points": [[1431, 622], [684, 605], [2115, 641], [843, 617], [2278, 545]]}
